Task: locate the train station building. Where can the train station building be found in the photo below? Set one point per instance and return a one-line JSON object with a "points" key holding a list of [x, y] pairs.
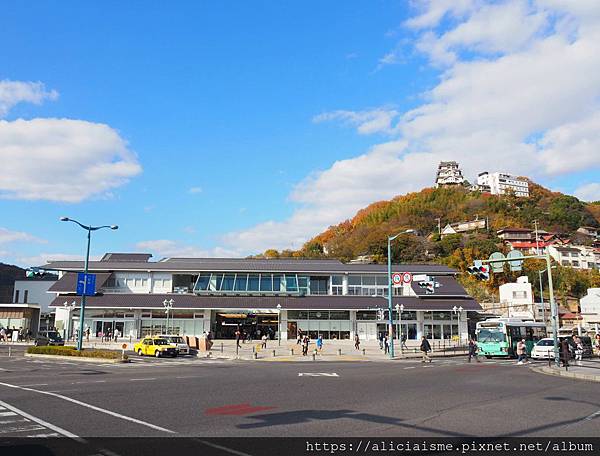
{"points": [[219, 295]]}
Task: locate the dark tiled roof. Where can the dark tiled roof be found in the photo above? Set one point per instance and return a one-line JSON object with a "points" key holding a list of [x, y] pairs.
{"points": [[68, 282], [448, 287], [127, 257], [181, 301], [246, 265]]}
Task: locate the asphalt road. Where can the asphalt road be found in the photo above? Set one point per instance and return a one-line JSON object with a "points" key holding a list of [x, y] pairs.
{"points": [[205, 398]]}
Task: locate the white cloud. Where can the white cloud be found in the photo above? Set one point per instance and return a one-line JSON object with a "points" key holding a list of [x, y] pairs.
{"points": [[377, 120], [589, 192], [62, 160], [195, 190], [14, 92], [7, 236], [43, 258], [514, 70], [171, 248]]}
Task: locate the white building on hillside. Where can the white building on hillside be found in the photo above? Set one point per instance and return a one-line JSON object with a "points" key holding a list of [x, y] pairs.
{"points": [[577, 257], [518, 298], [590, 307], [448, 174], [501, 183]]}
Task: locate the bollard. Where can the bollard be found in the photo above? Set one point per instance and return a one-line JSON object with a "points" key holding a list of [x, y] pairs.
{"points": [[364, 351], [339, 351], [273, 353], [313, 357], [255, 355], [9, 351], [254, 349], [291, 352], [221, 347]]}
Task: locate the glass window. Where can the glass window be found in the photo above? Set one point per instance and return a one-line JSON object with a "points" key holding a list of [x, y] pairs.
{"points": [[337, 280], [303, 315], [293, 315], [291, 283], [366, 315], [339, 315], [447, 332], [354, 280], [241, 282], [368, 280], [253, 282], [382, 280], [138, 282], [303, 282], [277, 283], [428, 331], [318, 315], [427, 315], [228, 281], [441, 315], [409, 315], [266, 282]]}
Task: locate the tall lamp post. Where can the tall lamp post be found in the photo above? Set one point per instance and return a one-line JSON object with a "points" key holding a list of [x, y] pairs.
{"points": [[399, 310], [168, 306], [389, 258], [279, 324], [542, 294], [89, 229]]}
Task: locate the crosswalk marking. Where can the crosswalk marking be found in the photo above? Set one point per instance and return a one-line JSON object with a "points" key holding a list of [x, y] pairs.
{"points": [[31, 424]]}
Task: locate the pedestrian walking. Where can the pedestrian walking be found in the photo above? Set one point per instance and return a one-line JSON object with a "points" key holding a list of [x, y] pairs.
{"points": [[425, 349], [403, 342], [473, 349], [381, 337], [320, 343], [238, 334], [117, 334], [521, 352], [386, 344], [3, 335], [87, 334], [578, 351], [305, 343], [300, 337], [356, 342], [264, 341], [597, 344]]}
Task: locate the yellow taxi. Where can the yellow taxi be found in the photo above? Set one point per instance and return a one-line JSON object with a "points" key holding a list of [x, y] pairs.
{"points": [[155, 346]]}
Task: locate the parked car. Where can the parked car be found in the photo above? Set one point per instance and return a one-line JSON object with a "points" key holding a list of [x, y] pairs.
{"points": [[48, 338], [179, 342], [544, 348], [155, 346]]}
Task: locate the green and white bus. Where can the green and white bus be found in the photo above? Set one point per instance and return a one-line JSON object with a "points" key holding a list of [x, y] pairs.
{"points": [[499, 336]]}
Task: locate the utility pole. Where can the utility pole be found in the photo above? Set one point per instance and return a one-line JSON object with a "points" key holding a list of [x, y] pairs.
{"points": [[537, 245]]}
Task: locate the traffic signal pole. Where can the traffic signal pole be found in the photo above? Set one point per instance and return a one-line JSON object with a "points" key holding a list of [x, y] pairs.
{"points": [[553, 306]]}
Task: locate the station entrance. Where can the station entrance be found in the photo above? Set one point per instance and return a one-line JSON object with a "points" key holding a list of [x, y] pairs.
{"points": [[251, 325]]}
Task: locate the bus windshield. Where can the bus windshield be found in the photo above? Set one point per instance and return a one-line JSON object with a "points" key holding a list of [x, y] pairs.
{"points": [[490, 335]]}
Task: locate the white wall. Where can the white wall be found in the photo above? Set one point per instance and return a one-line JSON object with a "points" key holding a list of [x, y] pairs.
{"points": [[518, 297], [590, 304], [37, 293]]}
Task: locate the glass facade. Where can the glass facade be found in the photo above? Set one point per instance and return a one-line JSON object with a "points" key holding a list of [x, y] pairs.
{"points": [[334, 324], [259, 283]]}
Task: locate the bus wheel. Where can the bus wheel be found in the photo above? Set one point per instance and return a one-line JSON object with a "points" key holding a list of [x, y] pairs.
{"points": [[488, 356]]}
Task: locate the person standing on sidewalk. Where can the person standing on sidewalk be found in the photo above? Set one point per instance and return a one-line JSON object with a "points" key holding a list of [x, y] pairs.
{"points": [[381, 338], [425, 349], [300, 338], [578, 351], [320, 343], [264, 340], [565, 352], [473, 349], [305, 343], [87, 334], [403, 342], [386, 344], [238, 334], [356, 342]]}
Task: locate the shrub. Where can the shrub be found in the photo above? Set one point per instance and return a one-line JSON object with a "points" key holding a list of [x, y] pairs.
{"points": [[71, 351]]}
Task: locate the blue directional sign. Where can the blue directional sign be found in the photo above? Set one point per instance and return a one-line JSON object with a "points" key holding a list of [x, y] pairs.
{"points": [[89, 280]]}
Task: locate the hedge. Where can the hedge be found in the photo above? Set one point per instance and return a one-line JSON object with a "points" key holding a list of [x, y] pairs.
{"points": [[71, 351]]}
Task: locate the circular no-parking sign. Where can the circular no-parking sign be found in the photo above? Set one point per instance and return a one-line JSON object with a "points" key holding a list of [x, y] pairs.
{"points": [[396, 278], [406, 277]]}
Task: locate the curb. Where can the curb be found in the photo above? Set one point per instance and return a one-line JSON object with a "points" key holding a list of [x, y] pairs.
{"points": [[560, 373], [78, 358]]}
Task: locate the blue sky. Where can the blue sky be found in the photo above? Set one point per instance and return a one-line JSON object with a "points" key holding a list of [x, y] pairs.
{"points": [[227, 128]]}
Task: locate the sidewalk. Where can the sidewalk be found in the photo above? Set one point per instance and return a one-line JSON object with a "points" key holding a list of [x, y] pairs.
{"points": [[589, 371]]}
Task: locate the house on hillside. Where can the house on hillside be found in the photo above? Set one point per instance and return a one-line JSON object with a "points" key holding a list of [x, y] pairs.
{"points": [[448, 175], [534, 247], [577, 257], [463, 227], [588, 231], [514, 234], [501, 184]]}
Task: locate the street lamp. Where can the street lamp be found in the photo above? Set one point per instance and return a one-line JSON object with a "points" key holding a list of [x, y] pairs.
{"points": [[389, 258], [168, 306], [89, 229], [458, 311], [279, 324], [399, 310]]}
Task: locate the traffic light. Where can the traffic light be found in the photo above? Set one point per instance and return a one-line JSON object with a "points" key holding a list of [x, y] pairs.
{"points": [[428, 286], [479, 271], [34, 272]]}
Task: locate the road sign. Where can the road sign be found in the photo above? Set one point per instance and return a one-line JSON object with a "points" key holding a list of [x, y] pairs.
{"points": [[89, 280], [420, 278], [407, 277], [497, 266], [396, 279], [124, 346], [517, 256]]}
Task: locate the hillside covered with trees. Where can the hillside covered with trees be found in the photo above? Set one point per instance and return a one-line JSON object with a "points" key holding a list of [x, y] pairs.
{"points": [[366, 233]]}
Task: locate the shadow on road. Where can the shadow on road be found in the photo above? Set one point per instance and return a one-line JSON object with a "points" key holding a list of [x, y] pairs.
{"points": [[305, 416]]}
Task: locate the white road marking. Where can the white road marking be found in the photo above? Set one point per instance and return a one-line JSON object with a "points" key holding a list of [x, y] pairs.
{"points": [[43, 436], [141, 379], [35, 384], [412, 367], [7, 413], [90, 406], [40, 421], [2, 369], [220, 447], [592, 416], [317, 374]]}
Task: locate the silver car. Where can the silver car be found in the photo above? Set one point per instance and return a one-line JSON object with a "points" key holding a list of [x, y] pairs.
{"points": [[182, 346]]}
